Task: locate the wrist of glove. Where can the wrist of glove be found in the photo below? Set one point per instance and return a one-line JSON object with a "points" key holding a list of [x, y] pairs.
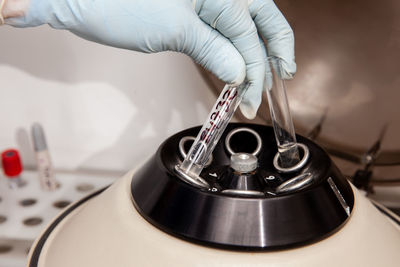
{"points": [[223, 36]]}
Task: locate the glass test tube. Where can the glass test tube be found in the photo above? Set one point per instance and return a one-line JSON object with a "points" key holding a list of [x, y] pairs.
{"points": [[282, 119], [212, 129]]}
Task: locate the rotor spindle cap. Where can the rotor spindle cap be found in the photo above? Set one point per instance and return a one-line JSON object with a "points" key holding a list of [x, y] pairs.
{"points": [[11, 162], [244, 162]]}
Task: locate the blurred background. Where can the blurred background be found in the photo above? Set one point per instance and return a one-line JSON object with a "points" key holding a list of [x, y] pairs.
{"points": [[101, 107]]}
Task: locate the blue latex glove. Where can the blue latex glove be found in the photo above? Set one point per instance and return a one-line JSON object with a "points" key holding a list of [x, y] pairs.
{"points": [[221, 35]]}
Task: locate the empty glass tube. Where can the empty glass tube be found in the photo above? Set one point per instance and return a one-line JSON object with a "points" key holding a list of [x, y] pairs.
{"points": [[282, 119], [212, 129]]}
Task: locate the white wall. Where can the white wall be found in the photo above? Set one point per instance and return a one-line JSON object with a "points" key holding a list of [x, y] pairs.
{"points": [[101, 107]]}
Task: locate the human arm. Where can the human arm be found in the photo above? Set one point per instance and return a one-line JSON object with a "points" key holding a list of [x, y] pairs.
{"points": [[223, 36]]}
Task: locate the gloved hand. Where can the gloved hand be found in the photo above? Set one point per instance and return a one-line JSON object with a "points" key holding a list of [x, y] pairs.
{"points": [[221, 35]]}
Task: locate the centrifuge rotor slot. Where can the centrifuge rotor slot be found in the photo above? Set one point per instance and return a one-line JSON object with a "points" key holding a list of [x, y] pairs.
{"points": [[242, 130], [295, 183], [183, 152], [296, 167]]}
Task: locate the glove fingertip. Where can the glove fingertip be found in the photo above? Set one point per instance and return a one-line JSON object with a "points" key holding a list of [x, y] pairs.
{"points": [[228, 66], [250, 105], [288, 69], [235, 71], [248, 111]]}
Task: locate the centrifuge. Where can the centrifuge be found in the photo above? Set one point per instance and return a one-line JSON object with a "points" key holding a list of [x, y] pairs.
{"points": [[244, 209]]}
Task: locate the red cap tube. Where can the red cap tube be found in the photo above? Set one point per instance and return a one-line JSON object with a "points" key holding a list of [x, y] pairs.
{"points": [[11, 162]]}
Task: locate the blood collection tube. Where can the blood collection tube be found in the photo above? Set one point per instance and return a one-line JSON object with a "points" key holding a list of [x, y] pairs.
{"points": [[12, 168], [211, 132]]}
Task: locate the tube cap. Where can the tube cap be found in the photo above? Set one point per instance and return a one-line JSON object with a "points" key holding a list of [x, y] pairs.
{"points": [[38, 137], [11, 162]]}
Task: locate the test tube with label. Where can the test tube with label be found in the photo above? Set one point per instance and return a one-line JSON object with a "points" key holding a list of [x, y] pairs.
{"points": [[44, 165], [212, 130]]}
